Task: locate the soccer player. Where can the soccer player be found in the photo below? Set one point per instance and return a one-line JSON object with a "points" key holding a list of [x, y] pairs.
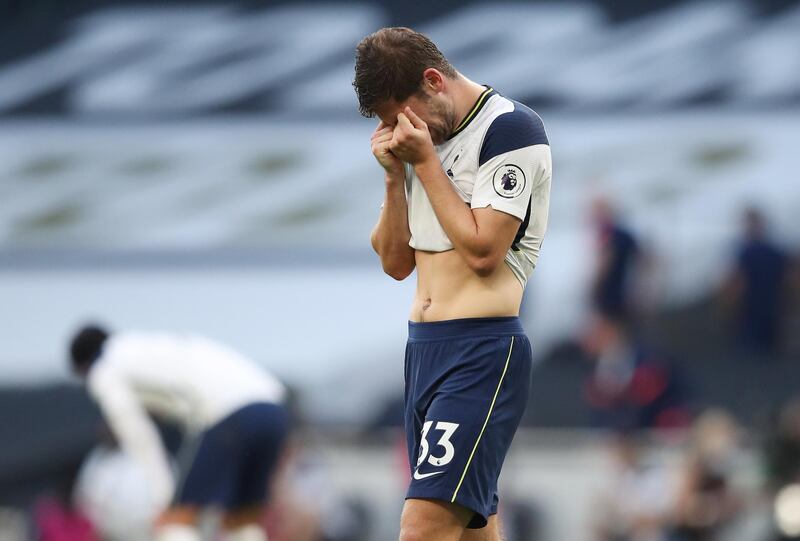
{"points": [[467, 176], [234, 405]]}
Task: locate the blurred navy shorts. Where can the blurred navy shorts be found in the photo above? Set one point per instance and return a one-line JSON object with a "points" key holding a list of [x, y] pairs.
{"points": [[467, 386], [236, 458]]}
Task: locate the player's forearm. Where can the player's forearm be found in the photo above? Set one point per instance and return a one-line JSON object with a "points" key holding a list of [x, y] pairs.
{"points": [[134, 430], [159, 475], [476, 247], [391, 235], [139, 438]]}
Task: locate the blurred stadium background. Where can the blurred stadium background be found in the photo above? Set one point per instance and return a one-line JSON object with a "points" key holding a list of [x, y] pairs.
{"points": [[202, 166]]}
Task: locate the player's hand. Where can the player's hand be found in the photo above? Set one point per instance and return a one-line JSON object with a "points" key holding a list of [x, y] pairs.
{"points": [[411, 141], [381, 141]]}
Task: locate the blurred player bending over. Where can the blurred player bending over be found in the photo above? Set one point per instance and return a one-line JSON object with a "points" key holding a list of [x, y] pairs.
{"points": [[210, 389], [467, 175]]}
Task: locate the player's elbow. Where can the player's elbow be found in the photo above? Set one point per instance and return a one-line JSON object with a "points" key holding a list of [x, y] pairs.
{"points": [[373, 239], [483, 268], [398, 261], [399, 270], [399, 275], [484, 265]]}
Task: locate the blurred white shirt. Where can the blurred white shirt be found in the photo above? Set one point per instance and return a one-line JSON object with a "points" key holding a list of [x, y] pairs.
{"points": [[186, 378]]}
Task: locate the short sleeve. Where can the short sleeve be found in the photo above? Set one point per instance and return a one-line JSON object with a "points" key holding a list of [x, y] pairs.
{"points": [[514, 156]]}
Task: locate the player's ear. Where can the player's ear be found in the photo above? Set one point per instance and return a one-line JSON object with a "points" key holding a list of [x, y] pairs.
{"points": [[432, 80]]}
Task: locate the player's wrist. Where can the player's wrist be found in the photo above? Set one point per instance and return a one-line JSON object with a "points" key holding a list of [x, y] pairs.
{"points": [[395, 178], [427, 167]]}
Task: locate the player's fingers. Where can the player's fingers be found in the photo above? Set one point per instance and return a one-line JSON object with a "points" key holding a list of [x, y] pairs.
{"points": [[383, 146], [387, 136], [416, 121], [382, 131], [404, 122]]}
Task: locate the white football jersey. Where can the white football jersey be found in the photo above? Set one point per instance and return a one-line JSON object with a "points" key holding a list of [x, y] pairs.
{"points": [[187, 378], [499, 157]]}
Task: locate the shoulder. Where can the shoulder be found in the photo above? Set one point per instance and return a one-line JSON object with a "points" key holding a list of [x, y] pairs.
{"points": [[124, 351], [511, 130], [103, 378], [119, 347], [119, 362]]}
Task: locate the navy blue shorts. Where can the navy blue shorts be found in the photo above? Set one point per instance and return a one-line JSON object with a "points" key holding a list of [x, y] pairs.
{"points": [[236, 458], [467, 385]]}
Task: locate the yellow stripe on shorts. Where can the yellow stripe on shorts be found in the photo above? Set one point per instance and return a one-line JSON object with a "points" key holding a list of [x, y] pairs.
{"points": [[486, 422]]}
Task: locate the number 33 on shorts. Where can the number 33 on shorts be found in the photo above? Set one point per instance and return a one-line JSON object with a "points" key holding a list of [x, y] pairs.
{"points": [[448, 430]]}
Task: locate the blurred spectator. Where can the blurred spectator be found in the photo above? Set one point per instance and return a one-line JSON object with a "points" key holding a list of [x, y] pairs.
{"points": [[635, 507], [616, 265], [631, 386], [757, 285], [706, 502]]}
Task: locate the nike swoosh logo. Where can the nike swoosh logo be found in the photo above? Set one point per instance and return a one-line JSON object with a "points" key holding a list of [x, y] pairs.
{"points": [[419, 476]]}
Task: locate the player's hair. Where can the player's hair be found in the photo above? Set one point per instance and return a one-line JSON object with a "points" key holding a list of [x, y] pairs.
{"points": [[390, 64], [86, 346]]}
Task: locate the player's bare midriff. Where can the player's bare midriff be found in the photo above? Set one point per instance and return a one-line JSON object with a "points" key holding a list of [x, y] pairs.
{"points": [[448, 289]]}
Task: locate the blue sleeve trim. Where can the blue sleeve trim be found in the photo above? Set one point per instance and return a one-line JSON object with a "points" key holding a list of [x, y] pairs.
{"points": [[516, 129]]}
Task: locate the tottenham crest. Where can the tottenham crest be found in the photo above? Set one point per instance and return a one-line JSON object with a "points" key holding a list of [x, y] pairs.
{"points": [[509, 181]]}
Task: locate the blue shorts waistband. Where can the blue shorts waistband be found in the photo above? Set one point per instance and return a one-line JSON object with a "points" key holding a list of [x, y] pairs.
{"points": [[467, 327]]}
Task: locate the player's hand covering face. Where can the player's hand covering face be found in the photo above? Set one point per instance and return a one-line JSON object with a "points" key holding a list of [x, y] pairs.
{"points": [[381, 142], [411, 141]]}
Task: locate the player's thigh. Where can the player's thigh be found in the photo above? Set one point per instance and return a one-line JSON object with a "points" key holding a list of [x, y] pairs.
{"points": [[490, 532], [426, 520], [263, 429], [210, 478], [469, 426]]}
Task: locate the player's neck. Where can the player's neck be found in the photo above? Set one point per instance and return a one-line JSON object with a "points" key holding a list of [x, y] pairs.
{"points": [[465, 94]]}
